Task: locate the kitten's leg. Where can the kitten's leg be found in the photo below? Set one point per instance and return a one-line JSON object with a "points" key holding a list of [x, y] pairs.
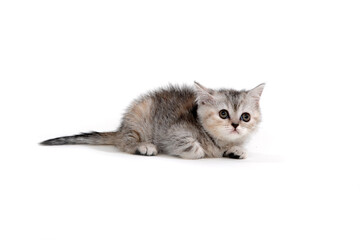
{"points": [[192, 151], [131, 141], [235, 152], [146, 149], [135, 133], [183, 145]]}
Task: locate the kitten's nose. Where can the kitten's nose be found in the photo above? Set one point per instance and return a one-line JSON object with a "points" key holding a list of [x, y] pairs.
{"points": [[235, 125]]}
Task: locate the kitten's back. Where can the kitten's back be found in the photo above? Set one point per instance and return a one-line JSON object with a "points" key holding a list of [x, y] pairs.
{"points": [[174, 104]]}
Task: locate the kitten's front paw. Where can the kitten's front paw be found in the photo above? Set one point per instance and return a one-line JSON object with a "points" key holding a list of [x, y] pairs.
{"points": [[194, 151], [235, 152], [146, 149]]}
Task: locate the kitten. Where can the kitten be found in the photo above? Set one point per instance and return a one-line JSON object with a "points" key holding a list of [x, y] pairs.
{"points": [[183, 121]]}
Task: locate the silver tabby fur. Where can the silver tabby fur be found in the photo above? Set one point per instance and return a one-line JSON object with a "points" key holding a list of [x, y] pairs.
{"points": [[182, 121]]}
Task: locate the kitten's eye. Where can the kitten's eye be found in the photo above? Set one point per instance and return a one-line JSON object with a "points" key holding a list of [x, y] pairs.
{"points": [[245, 117], [224, 114]]}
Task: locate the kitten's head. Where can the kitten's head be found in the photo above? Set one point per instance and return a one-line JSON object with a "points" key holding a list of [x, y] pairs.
{"points": [[229, 115]]}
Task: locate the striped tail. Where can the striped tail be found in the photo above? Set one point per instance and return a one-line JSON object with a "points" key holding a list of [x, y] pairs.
{"points": [[92, 138]]}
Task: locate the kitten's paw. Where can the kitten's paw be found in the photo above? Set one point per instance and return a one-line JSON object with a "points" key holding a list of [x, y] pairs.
{"points": [[146, 149], [195, 151], [235, 152]]}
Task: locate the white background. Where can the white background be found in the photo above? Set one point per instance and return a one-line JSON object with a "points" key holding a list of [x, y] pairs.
{"points": [[74, 66]]}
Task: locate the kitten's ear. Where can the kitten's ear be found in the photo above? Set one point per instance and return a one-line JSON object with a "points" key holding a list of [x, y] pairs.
{"points": [[204, 95], [256, 92]]}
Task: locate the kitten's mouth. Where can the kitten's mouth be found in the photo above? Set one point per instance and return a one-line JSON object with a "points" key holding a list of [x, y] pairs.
{"points": [[234, 132]]}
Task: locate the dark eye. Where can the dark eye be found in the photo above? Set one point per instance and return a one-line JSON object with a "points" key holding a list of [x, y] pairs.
{"points": [[224, 114], [245, 117]]}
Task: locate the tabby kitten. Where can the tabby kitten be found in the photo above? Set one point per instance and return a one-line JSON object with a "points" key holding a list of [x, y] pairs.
{"points": [[189, 122]]}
